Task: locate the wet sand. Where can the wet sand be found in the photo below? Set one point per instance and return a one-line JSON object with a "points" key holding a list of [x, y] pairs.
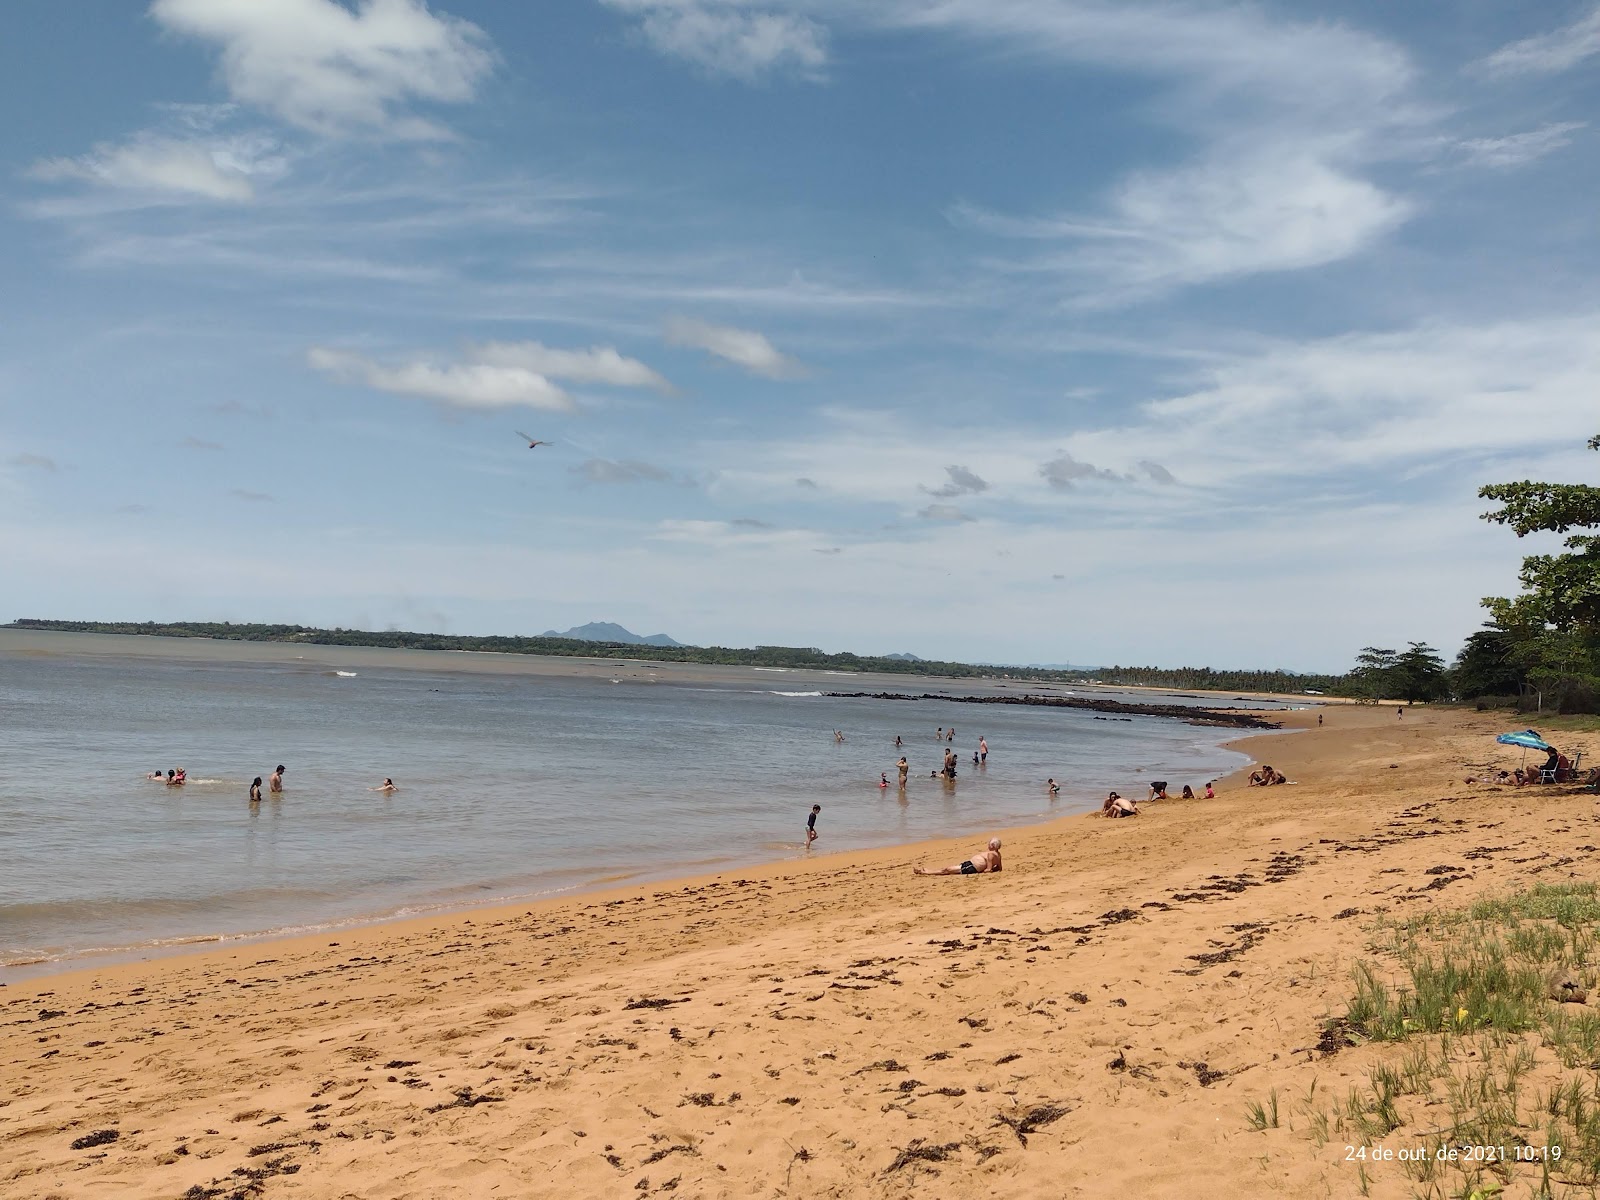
{"points": [[1093, 1020]]}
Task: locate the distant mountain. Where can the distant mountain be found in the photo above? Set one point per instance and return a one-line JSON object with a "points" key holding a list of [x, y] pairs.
{"points": [[905, 658], [608, 631]]}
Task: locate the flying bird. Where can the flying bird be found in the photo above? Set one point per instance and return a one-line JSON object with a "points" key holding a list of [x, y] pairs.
{"points": [[532, 441]]}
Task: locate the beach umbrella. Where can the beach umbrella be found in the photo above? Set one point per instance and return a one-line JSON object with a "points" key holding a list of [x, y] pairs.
{"points": [[1528, 739]]}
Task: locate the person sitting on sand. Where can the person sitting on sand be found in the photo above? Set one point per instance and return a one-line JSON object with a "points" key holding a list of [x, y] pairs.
{"points": [[1210, 795], [1260, 777], [1118, 806], [981, 863], [1188, 792]]}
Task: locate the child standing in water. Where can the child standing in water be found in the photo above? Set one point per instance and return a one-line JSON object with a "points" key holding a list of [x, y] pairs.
{"points": [[811, 824]]}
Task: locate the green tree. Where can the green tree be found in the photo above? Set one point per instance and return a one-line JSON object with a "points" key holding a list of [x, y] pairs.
{"points": [[1374, 672], [1555, 621], [1419, 673], [1561, 591], [1488, 665]]}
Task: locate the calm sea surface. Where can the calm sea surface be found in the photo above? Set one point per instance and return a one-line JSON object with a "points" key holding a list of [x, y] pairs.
{"points": [[519, 778]]}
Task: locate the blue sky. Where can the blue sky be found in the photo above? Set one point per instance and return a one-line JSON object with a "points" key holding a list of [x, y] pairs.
{"points": [[1001, 330]]}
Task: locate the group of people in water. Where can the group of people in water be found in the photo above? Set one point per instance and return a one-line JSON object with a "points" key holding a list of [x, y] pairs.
{"points": [[177, 777]]}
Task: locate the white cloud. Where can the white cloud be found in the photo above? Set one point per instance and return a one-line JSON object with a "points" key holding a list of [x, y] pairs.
{"points": [[460, 385], [743, 347], [597, 364], [38, 462], [332, 70], [730, 38], [942, 512], [1287, 117], [1155, 472], [1282, 210], [215, 169], [194, 443], [1548, 53], [1518, 149]]}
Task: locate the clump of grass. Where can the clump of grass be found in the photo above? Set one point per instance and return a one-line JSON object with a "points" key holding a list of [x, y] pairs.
{"points": [[1470, 991], [1264, 1116]]}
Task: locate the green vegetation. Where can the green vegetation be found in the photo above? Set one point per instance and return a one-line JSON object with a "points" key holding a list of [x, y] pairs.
{"points": [[1493, 1058], [1542, 646], [759, 656]]}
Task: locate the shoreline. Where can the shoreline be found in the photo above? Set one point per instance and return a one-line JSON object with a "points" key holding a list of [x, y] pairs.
{"points": [[1002, 1032], [13, 974]]}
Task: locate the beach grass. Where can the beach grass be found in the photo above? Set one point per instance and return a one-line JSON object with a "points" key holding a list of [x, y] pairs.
{"points": [[1497, 1081]]}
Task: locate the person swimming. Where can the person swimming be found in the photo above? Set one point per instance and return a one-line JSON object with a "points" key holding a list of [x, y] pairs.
{"points": [[255, 790], [386, 786], [883, 779]]}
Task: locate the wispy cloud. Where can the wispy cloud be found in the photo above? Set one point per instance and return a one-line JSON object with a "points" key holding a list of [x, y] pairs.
{"points": [[194, 443], [1156, 473], [942, 512], [1517, 149], [250, 497], [597, 364], [742, 347], [1286, 116], [731, 38], [460, 385], [1548, 53], [962, 483], [335, 70], [37, 462], [603, 470], [211, 169]]}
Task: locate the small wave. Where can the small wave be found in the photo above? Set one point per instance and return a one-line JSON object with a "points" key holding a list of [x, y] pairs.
{"points": [[772, 670], [794, 693], [345, 674]]}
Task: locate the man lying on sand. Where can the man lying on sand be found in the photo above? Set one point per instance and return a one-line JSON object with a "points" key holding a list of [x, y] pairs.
{"points": [[978, 864]]}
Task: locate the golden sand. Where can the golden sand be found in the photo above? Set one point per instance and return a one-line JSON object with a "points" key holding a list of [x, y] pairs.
{"points": [[1092, 1021]]}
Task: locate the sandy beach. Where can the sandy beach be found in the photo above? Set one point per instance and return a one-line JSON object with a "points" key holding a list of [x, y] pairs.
{"points": [[1094, 1020]]}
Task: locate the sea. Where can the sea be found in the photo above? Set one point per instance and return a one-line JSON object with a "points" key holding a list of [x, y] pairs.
{"points": [[519, 778]]}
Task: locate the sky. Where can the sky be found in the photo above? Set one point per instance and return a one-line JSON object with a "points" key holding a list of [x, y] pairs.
{"points": [[1030, 331]]}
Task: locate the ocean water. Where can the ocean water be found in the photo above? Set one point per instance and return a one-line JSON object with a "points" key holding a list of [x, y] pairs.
{"points": [[520, 778]]}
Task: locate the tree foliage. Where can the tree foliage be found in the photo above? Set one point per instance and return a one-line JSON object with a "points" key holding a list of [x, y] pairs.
{"points": [[1548, 635]]}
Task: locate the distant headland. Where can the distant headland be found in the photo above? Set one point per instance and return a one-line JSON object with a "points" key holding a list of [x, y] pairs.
{"points": [[604, 640]]}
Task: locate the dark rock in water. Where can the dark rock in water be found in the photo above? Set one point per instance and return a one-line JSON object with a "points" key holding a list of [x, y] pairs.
{"points": [[1195, 716]]}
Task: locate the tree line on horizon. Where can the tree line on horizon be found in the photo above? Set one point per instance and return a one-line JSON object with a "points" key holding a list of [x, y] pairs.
{"points": [[1539, 650], [802, 657]]}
